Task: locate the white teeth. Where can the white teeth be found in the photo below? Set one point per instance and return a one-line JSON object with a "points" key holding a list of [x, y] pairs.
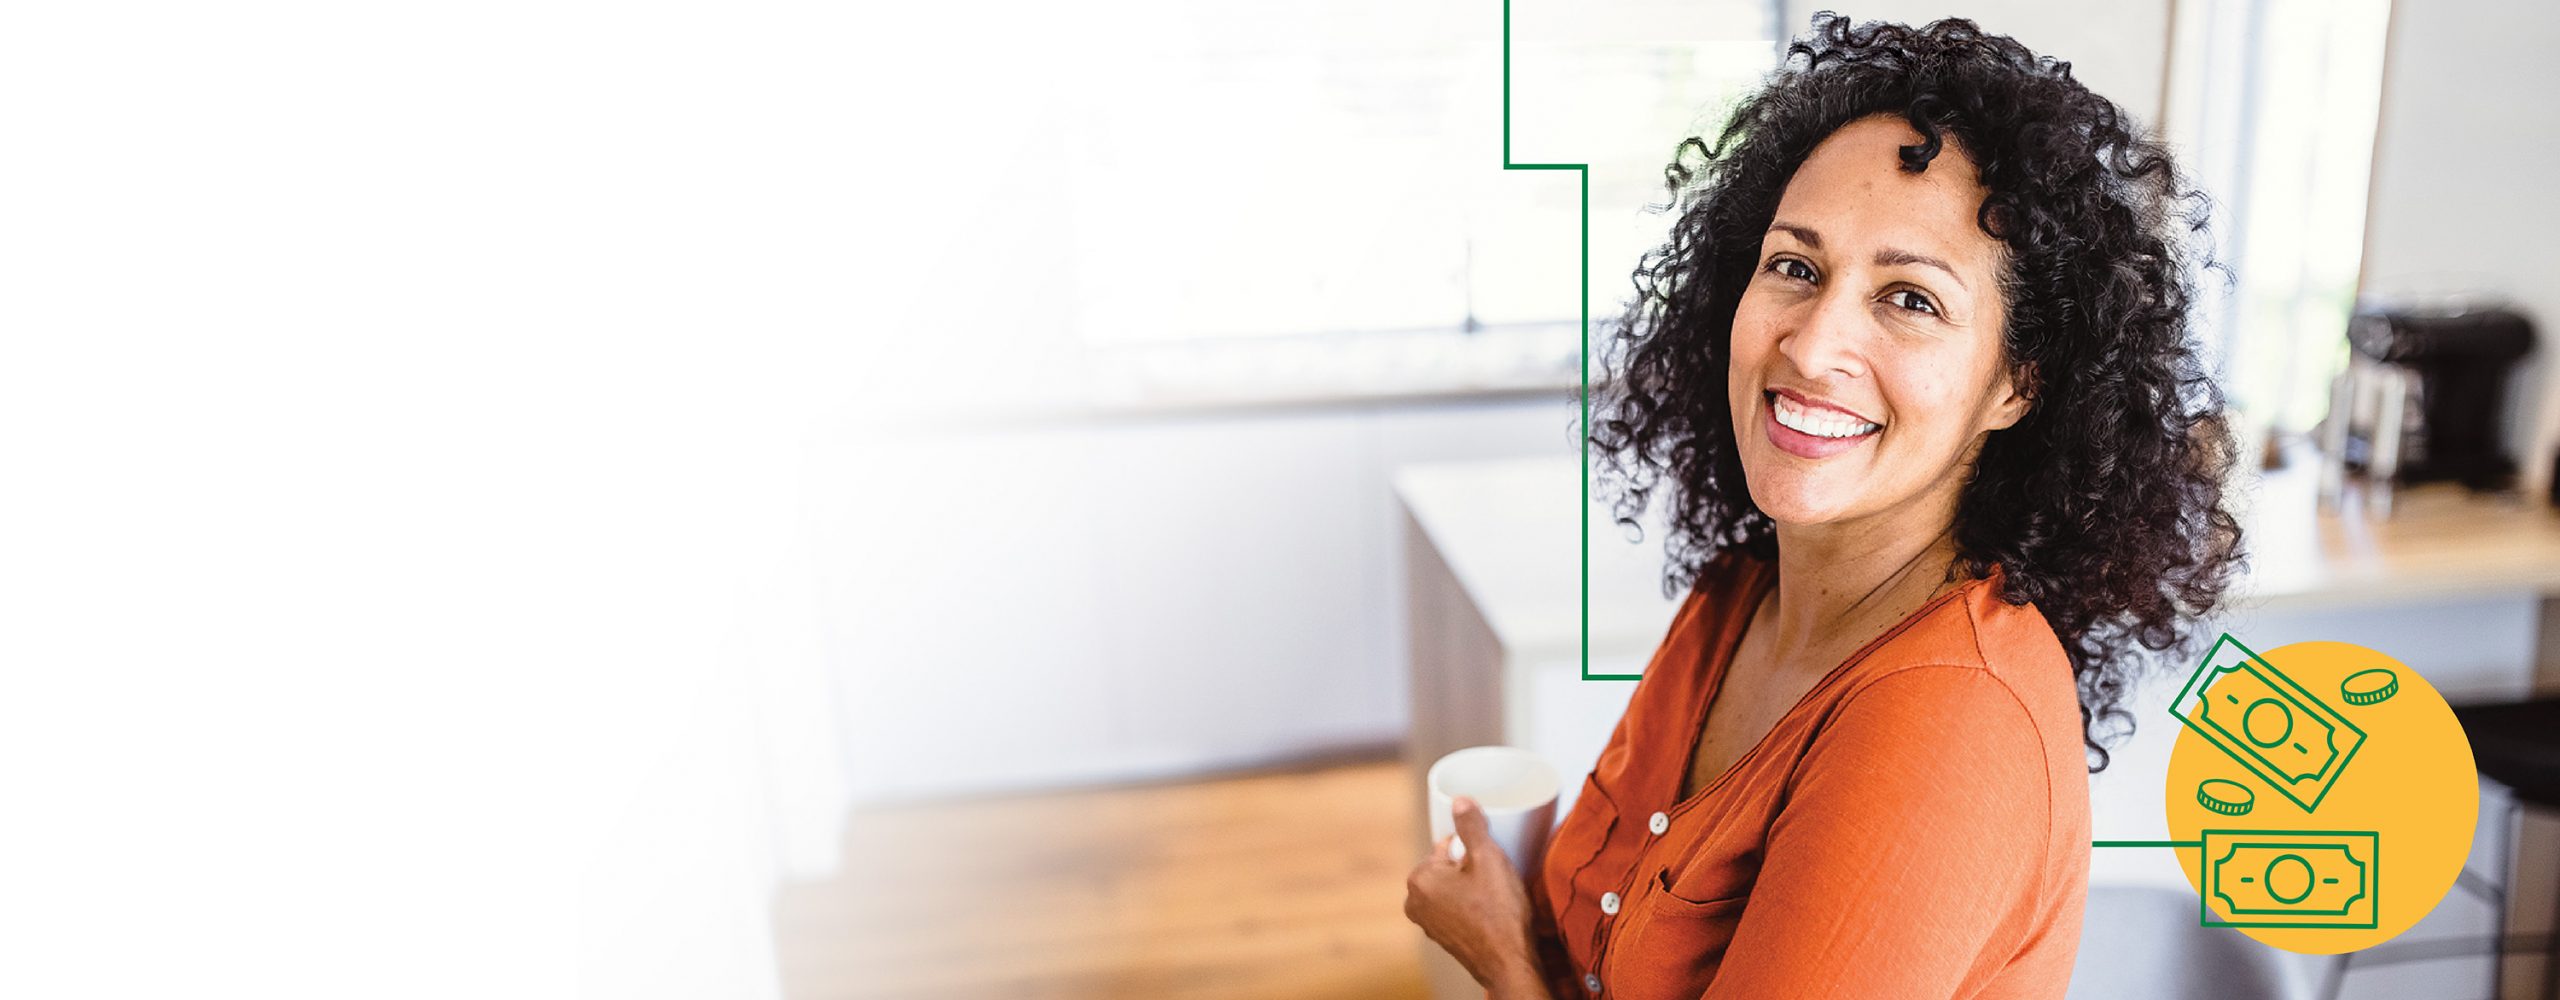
{"points": [[1819, 423]]}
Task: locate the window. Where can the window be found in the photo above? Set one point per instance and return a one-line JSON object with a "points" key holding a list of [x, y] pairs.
{"points": [[2273, 103], [1333, 171]]}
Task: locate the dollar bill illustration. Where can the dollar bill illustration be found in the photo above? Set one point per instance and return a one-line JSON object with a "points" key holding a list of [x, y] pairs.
{"points": [[2246, 708], [2291, 878]]}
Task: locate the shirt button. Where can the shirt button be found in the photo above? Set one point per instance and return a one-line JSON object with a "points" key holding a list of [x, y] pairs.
{"points": [[1591, 981], [1659, 823], [1609, 903]]}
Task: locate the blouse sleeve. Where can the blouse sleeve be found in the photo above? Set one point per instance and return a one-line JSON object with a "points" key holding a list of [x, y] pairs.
{"points": [[1909, 849]]}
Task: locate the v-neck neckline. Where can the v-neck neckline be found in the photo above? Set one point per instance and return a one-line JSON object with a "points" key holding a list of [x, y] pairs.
{"points": [[1764, 579]]}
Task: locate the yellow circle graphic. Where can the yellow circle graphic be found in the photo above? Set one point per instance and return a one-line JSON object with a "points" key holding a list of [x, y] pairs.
{"points": [[2322, 795]]}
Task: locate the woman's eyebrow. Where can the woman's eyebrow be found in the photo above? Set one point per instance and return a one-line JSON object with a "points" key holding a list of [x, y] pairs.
{"points": [[1890, 257], [1887, 257], [1807, 236]]}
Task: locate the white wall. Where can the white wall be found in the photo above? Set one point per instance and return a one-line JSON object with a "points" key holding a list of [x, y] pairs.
{"points": [[401, 415], [2462, 174]]}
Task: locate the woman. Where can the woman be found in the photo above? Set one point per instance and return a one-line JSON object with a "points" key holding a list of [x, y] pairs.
{"points": [[1945, 473]]}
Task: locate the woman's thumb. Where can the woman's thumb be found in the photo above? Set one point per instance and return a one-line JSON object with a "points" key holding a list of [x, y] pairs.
{"points": [[1472, 830]]}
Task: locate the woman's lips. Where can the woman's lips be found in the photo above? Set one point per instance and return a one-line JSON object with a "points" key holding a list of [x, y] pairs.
{"points": [[1801, 444]]}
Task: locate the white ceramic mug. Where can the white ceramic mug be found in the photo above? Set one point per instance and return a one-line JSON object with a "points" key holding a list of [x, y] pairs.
{"points": [[1515, 788]]}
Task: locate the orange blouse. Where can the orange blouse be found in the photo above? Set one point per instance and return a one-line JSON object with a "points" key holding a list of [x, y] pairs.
{"points": [[1917, 826]]}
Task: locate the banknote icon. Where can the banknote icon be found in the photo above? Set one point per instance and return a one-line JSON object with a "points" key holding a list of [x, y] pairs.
{"points": [[2291, 878], [2248, 709]]}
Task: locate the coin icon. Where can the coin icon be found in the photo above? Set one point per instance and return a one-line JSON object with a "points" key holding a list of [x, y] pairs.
{"points": [[2369, 687], [2229, 798]]}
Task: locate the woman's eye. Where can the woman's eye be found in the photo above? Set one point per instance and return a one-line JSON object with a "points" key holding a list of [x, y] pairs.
{"points": [[1790, 267], [1913, 301]]}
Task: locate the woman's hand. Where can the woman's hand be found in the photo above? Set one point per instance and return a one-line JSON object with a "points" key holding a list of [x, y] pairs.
{"points": [[1477, 908]]}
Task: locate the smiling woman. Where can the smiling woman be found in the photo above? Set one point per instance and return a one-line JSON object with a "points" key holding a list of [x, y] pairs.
{"points": [[1915, 373], [1860, 348]]}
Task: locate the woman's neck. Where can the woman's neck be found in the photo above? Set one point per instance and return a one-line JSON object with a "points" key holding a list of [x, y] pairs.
{"points": [[1849, 582]]}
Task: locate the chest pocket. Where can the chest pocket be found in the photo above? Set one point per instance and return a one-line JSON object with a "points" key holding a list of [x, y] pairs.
{"points": [[1672, 945], [1680, 922]]}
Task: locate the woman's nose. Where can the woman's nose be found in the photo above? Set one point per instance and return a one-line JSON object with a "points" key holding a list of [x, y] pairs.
{"points": [[1828, 337]]}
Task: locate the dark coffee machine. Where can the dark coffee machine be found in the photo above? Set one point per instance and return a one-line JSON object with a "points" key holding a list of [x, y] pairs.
{"points": [[2424, 397]]}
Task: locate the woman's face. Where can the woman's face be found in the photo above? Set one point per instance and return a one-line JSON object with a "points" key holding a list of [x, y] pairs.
{"points": [[1867, 363]]}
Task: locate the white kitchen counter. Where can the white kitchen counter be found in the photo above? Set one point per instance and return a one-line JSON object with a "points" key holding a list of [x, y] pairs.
{"points": [[1507, 531]]}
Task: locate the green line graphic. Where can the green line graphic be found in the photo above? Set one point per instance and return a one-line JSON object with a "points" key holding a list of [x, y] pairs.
{"points": [[1584, 171]]}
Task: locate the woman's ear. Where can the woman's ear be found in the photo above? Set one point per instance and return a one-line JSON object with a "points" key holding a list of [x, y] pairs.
{"points": [[2013, 397]]}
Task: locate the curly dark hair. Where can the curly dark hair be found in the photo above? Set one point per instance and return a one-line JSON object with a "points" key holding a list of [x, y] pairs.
{"points": [[2103, 505]]}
